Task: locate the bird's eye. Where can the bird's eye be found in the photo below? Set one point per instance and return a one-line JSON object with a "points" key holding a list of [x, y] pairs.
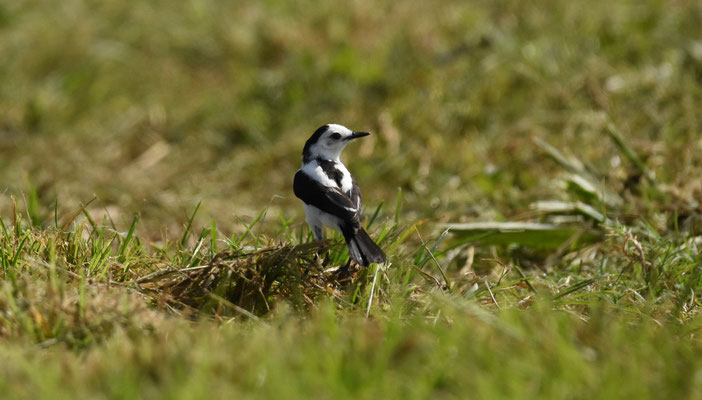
{"points": [[335, 136]]}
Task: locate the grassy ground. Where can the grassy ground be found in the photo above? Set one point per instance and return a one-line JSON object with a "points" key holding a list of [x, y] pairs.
{"points": [[533, 175]]}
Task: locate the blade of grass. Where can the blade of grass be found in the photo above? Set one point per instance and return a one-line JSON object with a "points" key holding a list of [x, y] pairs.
{"points": [[190, 224], [74, 216], [19, 249], [56, 213], [575, 287], [213, 236], [441, 270], [531, 234], [251, 225], [522, 275], [90, 220], [492, 296], [432, 252], [569, 164], [123, 247], [629, 153], [233, 306], [4, 229], [372, 291], [375, 215], [191, 261], [578, 169], [398, 206]]}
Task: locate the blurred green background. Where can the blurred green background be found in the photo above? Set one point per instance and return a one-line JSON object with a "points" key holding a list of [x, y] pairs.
{"points": [[480, 110], [153, 105]]}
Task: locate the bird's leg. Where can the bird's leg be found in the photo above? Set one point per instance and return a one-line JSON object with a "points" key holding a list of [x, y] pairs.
{"points": [[318, 235], [345, 268], [343, 272], [317, 232]]}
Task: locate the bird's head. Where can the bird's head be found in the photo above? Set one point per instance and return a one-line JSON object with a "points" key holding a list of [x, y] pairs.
{"points": [[328, 141]]}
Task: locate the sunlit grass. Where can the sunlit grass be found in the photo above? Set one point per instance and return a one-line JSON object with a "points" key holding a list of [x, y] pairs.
{"points": [[533, 176]]}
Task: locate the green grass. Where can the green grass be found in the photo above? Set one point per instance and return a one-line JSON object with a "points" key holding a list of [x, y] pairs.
{"points": [[533, 175]]}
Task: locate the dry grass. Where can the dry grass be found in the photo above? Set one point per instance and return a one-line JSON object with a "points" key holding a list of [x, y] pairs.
{"points": [[191, 274], [249, 284]]}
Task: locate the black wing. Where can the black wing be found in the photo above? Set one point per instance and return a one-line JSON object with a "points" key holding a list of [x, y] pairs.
{"points": [[328, 199], [356, 196]]}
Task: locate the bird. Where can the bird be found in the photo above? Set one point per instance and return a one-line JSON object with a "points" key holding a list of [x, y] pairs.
{"points": [[331, 196]]}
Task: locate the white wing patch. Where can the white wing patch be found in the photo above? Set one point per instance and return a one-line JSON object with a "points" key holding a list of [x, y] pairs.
{"points": [[314, 171], [346, 181]]}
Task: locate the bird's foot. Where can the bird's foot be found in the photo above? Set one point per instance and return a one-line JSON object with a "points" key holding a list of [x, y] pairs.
{"points": [[343, 274]]}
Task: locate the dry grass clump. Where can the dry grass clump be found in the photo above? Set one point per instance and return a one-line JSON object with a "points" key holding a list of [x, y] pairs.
{"points": [[246, 283]]}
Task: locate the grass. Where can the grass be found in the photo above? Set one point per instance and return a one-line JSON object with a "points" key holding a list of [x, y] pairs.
{"points": [[533, 175]]}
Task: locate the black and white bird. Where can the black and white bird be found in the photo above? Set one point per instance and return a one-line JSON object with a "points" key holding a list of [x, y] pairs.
{"points": [[330, 195]]}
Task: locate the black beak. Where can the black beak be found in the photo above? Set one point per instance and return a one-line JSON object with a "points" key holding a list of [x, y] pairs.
{"points": [[357, 135]]}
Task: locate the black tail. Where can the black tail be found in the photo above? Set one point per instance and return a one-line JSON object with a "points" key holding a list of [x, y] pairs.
{"points": [[362, 248]]}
